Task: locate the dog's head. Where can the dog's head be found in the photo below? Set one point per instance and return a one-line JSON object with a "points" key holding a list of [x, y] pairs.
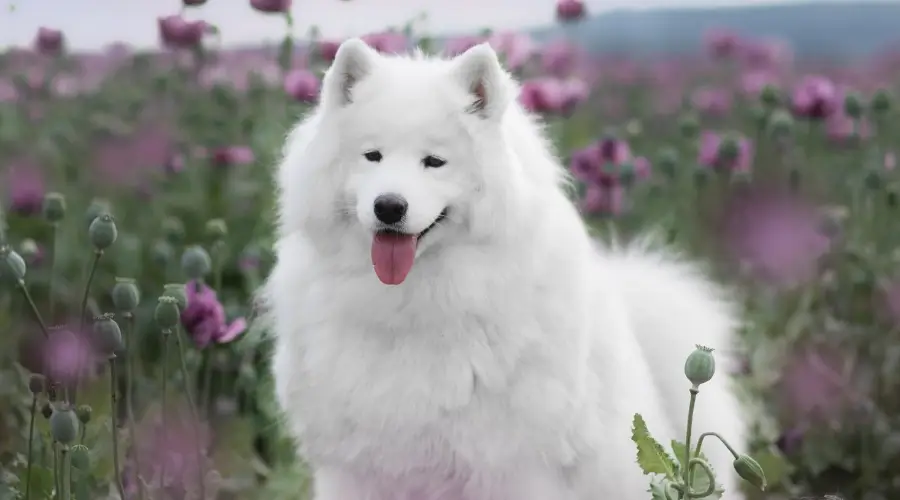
{"points": [[405, 151]]}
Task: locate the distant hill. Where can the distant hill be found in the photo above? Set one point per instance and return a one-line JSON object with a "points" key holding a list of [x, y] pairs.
{"points": [[838, 30]]}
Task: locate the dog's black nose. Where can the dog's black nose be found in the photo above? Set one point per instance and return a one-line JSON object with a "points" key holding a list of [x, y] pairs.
{"points": [[390, 208]]}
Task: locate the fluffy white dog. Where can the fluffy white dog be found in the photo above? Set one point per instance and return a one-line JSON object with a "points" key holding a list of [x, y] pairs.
{"points": [[446, 328]]}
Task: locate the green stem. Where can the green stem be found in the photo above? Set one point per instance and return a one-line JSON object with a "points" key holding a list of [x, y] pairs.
{"points": [[56, 479], [206, 397], [34, 310], [30, 447], [687, 439], [196, 419], [113, 400], [66, 465], [51, 297], [81, 317], [717, 436], [710, 483], [83, 432], [131, 355], [165, 428]]}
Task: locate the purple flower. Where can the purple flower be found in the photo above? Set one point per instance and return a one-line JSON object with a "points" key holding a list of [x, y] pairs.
{"points": [[815, 98], [204, 317], [49, 41], [179, 33], [271, 6], [26, 190], [302, 85]]}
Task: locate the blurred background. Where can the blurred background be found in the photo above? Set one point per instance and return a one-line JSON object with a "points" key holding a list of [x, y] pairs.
{"points": [[137, 141]]}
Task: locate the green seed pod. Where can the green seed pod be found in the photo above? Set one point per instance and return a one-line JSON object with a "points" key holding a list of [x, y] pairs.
{"points": [[84, 413], [47, 410], [853, 105], [770, 96], [216, 229], [729, 149], [689, 125], [173, 229], [54, 207], [29, 250], [12, 265], [700, 366], [176, 291], [167, 314], [780, 124], [196, 263], [881, 103], [667, 161], [125, 295], [81, 457], [750, 471], [163, 253], [36, 383], [103, 232], [97, 208], [873, 180], [108, 335], [64, 426]]}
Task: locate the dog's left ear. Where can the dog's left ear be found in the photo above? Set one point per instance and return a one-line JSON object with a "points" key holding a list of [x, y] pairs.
{"points": [[479, 71]]}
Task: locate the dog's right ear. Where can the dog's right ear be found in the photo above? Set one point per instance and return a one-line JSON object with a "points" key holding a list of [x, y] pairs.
{"points": [[353, 61]]}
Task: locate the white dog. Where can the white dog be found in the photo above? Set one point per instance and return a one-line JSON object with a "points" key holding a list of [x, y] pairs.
{"points": [[446, 328]]}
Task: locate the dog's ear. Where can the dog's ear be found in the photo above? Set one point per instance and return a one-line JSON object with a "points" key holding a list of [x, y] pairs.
{"points": [[479, 71], [352, 62]]}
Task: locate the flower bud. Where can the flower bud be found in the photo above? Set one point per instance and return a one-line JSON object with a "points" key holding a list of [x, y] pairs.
{"points": [[177, 292], [700, 366], [173, 229], [853, 105], [97, 208], [195, 263], [770, 96], [881, 103], [750, 471], [29, 250], [167, 314], [108, 335], [36, 383], [47, 410], [12, 265], [80, 457], [125, 295], [84, 413], [103, 232], [54, 207], [64, 426], [216, 229]]}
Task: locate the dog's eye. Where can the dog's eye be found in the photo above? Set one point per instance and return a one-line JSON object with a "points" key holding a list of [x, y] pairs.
{"points": [[374, 156], [432, 161]]}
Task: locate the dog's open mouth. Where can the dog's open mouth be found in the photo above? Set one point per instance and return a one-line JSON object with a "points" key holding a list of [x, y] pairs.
{"points": [[394, 252]]}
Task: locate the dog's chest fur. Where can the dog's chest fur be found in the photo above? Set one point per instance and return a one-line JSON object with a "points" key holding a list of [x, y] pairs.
{"points": [[435, 381]]}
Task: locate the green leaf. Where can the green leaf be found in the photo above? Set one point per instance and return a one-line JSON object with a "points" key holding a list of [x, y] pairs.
{"points": [[700, 482], [651, 456], [658, 489]]}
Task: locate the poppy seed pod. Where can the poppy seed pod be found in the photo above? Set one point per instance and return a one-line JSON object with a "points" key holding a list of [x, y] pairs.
{"points": [[177, 292], [216, 229], [125, 294], [196, 263], [103, 232], [84, 413], [81, 458], [167, 314], [108, 335], [770, 96], [64, 426], [47, 410], [36, 383], [853, 105], [54, 207], [700, 366]]}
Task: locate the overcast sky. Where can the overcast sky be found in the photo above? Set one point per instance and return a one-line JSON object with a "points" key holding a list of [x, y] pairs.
{"points": [[91, 24]]}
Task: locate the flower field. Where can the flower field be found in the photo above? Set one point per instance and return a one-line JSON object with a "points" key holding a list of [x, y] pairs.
{"points": [[135, 226]]}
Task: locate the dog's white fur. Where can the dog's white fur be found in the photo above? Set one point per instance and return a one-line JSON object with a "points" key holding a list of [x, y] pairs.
{"points": [[509, 364]]}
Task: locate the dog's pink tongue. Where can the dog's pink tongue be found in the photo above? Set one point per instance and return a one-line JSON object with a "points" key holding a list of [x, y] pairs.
{"points": [[393, 256]]}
